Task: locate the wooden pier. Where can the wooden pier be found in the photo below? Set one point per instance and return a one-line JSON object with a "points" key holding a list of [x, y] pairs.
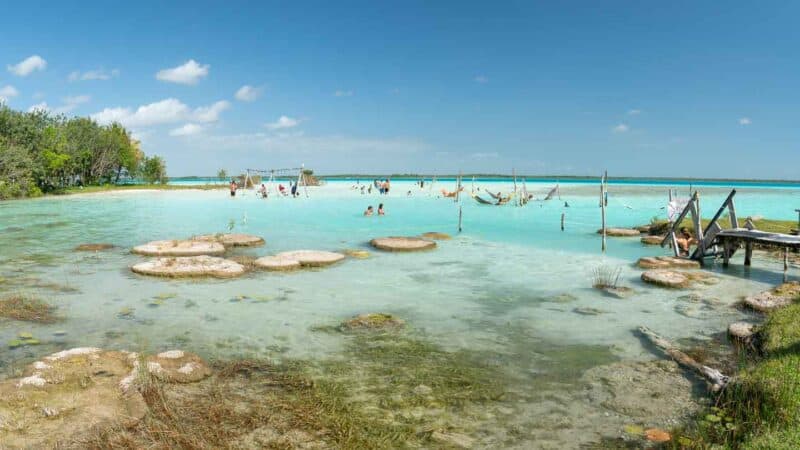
{"points": [[715, 241]]}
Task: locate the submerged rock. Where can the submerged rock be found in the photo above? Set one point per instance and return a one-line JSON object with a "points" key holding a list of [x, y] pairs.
{"points": [[179, 248], [312, 258], [620, 292], [67, 394], [277, 263], [453, 439], [677, 279], [775, 298], [357, 253], [93, 247], [653, 393], [588, 311], [402, 244], [620, 232], [373, 321], [190, 266], [667, 262], [436, 236], [652, 240], [232, 239]]}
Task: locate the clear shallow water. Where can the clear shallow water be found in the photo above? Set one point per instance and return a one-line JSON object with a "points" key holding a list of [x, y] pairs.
{"points": [[509, 284]]}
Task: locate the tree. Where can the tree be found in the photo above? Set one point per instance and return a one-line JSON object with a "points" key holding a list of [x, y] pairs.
{"points": [[154, 170], [222, 174]]}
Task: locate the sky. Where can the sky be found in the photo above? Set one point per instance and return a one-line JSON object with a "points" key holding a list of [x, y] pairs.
{"points": [[668, 89]]}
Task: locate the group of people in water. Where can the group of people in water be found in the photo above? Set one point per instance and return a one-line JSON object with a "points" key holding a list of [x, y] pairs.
{"points": [[264, 193], [370, 212]]}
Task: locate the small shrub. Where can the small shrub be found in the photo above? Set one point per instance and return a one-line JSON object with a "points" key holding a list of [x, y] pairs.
{"points": [[606, 277]]}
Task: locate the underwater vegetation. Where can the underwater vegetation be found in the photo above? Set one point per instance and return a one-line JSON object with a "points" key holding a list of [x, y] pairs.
{"points": [[26, 308]]}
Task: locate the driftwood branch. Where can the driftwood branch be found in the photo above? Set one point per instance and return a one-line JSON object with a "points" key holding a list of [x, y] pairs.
{"points": [[715, 378]]}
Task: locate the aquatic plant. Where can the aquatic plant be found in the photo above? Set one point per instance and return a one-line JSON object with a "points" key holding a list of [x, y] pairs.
{"points": [[30, 309], [606, 277]]}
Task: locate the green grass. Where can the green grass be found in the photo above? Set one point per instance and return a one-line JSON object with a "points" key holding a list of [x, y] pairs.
{"points": [[126, 187], [761, 408], [660, 227]]}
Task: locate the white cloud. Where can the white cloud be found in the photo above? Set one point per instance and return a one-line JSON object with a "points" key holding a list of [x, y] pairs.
{"points": [[634, 112], [170, 110], [39, 107], [188, 73], [248, 93], [28, 66], [481, 79], [282, 123], [186, 130], [210, 113], [98, 74], [8, 91], [70, 103], [341, 93], [745, 121], [297, 143], [621, 128], [484, 155]]}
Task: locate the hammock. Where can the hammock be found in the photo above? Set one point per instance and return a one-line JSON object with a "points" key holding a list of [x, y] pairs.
{"points": [[480, 200], [552, 193]]}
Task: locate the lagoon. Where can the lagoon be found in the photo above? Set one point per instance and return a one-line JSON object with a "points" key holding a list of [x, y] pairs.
{"points": [[510, 288]]}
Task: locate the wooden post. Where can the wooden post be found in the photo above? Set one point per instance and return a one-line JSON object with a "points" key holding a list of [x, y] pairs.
{"points": [[514, 173], [785, 263], [563, 216], [798, 221], [732, 211], [459, 218], [726, 254], [748, 253], [603, 209]]}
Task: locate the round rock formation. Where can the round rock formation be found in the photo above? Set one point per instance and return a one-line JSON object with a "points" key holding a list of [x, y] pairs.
{"points": [[179, 248], [402, 244], [232, 239], [620, 232], [666, 278], [190, 266], [372, 321], [312, 258], [277, 263], [435, 235]]}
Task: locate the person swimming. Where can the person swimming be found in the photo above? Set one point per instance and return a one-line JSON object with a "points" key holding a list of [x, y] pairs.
{"points": [[380, 210], [368, 212]]}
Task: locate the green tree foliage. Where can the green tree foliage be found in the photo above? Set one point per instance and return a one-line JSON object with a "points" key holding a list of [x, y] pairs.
{"points": [[222, 174], [154, 170], [40, 152]]}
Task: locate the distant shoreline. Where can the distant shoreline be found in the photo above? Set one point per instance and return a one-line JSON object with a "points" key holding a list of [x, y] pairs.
{"points": [[407, 176]]}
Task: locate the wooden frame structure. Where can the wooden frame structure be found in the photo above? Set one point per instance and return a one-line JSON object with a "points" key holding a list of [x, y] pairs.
{"points": [[273, 172], [705, 239]]}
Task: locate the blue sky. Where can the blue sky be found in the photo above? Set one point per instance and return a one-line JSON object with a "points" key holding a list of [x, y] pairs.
{"points": [[638, 88]]}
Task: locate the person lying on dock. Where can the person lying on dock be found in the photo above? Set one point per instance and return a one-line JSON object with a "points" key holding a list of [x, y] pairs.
{"points": [[368, 212], [685, 240]]}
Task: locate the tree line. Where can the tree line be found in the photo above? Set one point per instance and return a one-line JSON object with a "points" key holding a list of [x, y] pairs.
{"points": [[41, 152]]}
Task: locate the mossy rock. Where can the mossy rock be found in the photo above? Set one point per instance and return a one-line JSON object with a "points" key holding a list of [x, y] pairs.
{"points": [[180, 248], [402, 244], [775, 298], [93, 247], [373, 321]]}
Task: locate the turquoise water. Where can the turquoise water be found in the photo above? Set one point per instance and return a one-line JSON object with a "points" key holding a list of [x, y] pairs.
{"points": [[499, 286]]}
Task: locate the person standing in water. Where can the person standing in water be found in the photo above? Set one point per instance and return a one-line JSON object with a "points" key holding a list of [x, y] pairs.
{"points": [[233, 188], [380, 210], [368, 212]]}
